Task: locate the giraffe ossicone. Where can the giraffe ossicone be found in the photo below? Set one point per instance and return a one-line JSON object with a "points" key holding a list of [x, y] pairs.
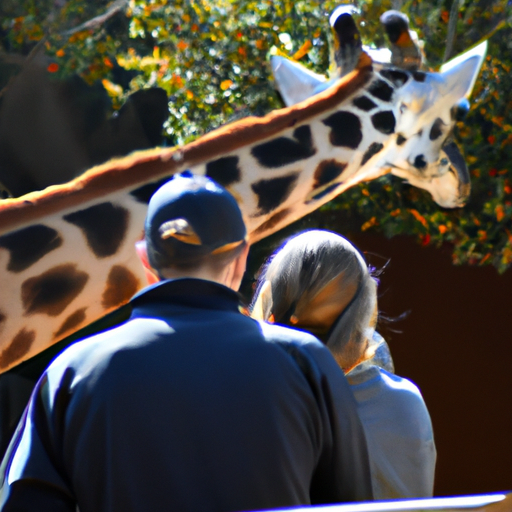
{"points": [[67, 253]]}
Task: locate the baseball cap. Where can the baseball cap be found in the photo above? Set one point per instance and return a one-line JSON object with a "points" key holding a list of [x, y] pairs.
{"points": [[191, 217]]}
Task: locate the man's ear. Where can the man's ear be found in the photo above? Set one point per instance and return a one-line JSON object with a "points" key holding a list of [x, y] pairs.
{"points": [[239, 264], [142, 252]]}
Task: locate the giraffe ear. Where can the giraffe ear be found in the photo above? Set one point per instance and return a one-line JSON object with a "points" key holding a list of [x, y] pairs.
{"points": [[142, 252], [263, 306], [465, 68], [294, 81]]}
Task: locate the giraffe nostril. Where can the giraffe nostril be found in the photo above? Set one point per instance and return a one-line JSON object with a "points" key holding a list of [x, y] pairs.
{"points": [[419, 162]]}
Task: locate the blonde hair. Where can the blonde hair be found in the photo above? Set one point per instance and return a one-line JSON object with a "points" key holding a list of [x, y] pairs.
{"points": [[314, 271]]}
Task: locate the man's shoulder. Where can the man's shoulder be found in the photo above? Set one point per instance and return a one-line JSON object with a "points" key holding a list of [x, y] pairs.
{"points": [[297, 341], [281, 334], [97, 348]]}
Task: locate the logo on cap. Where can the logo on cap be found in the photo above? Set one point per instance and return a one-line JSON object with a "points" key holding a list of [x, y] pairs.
{"points": [[181, 230]]}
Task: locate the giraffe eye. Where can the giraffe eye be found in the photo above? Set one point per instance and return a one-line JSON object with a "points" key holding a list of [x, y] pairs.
{"points": [[444, 161], [403, 108]]}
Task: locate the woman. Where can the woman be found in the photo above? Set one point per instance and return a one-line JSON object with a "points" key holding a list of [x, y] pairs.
{"points": [[319, 282]]}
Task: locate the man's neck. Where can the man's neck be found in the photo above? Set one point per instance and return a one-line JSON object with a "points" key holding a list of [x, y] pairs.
{"points": [[204, 273]]}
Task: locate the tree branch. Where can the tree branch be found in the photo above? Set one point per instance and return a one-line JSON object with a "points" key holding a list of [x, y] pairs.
{"points": [[95, 22], [452, 27]]}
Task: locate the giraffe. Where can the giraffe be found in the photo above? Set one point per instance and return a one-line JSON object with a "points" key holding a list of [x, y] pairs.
{"points": [[67, 253]]}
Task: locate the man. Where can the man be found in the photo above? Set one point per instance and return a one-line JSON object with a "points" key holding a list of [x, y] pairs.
{"points": [[189, 405]]}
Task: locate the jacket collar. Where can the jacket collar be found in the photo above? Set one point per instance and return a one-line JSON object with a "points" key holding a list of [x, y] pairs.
{"points": [[189, 292]]}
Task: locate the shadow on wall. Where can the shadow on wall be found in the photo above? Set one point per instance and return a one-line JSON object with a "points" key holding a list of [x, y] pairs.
{"points": [[456, 345], [51, 130]]}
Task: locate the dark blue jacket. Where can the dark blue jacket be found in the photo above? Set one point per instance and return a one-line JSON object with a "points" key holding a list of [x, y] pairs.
{"points": [[188, 406]]}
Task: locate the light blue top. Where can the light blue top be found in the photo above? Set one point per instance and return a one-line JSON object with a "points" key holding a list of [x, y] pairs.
{"points": [[399, 433]]}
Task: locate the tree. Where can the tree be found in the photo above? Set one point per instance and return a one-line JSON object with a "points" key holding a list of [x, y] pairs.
{"points": [[210, 56]]}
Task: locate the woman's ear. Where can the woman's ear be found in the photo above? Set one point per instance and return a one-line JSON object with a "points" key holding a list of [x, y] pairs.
{"points": [[263, 305], [142, 253], [372, 344]]}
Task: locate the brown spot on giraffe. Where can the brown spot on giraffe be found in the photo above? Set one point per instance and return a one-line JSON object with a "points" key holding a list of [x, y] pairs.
{"points": [[285, 150], [346, 129], [72, 321], [397, 77], [437, 129], [419, 76], [273, 221], [384, 122], [143, 194], [273, 192], [381, 90], [326, 171], [27, 246], [20, 345], [121, 286], [374, 148], [364, 103], [104, 226], [400, 139], [225, 171], [51, 292]]}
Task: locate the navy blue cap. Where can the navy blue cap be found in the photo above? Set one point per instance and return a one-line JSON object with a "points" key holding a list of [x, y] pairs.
{"points": [[190, 217]]}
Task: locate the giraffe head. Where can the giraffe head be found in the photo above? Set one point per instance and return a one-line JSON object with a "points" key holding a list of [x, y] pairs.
{"points": [[422, 107]]}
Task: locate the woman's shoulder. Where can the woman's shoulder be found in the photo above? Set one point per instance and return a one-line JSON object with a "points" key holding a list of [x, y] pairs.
{"points": [[378, 385], [405, 398], [402, 387]]}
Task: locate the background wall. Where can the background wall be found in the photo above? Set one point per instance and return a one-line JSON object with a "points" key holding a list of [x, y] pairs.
{"points": [[456, 345]]}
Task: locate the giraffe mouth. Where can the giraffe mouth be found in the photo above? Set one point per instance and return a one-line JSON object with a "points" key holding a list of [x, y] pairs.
{"points": [[417, 173]]}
